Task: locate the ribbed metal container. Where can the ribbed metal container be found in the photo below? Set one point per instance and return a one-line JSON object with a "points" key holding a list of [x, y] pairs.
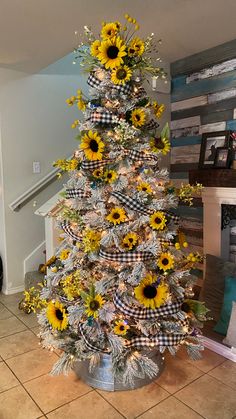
{"points": [[103, 378]]}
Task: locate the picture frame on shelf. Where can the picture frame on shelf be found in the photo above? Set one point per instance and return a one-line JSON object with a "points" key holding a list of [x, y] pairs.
{"points": [[211, 141], [222, 158]]}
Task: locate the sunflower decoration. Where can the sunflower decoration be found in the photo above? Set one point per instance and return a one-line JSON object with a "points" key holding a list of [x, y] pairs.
{"points": [[110, 30], [121, 75], [145, 187], [91, 240], [98, 173], [138, 117], [121, 327], [166, 261], [94, 49], [130, 241], [93, 303], [56, 315], [92, 145], [116, 216], [136, 47], [110, 176], [111, 52], [151, 292], [158, 220], [158, 109], [160, 145]]}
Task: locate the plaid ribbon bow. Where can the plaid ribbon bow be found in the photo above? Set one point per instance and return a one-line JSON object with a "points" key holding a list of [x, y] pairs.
{"points": [[89, 345], [92, 165], [160, 340], [151, 125], [126, 256], [140, 156], [92, 81], [66, 227], [131, 203], [147, 313], [103, 117], [77, 193]]}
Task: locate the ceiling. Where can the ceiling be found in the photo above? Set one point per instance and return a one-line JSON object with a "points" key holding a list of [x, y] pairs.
{"points": [[36, 33]]}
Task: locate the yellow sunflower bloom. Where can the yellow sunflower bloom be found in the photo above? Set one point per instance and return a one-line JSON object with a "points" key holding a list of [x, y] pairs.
{"points": [[158, 109], [93, 304], [98, 173], [150, 293], [64, 254], [121, 75], [116, 216], [138, 117], [94, 48], [144, 187], [129, 241], [109, 30], [136, 47], [56, 315], [160, 145], [111, 52], [165, 261], [110, 176], [121, 327], [92, 145], [91, 240], [158, 220]]}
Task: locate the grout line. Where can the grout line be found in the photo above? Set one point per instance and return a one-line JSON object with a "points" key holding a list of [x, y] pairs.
{"points": [[195, 411], [222, 382], [21, 384], [122, 414], [186, 385], [160, 401], [72, 400]]}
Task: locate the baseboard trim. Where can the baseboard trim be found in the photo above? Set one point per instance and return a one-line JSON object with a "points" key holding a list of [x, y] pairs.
{"points": [[14, 290], [225, 351]]}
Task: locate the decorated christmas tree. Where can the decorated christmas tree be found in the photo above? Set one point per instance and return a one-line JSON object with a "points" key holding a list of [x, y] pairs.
{"points": [[120, 283]]}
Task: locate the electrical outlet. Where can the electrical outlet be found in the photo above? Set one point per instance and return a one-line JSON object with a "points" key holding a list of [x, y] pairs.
{"points": [[36, 167]]}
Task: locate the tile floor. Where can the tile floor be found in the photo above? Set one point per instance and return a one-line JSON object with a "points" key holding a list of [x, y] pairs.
{"points": [[186, 389]]}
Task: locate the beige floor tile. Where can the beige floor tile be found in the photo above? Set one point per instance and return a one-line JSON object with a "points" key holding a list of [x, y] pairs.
{"points": [[17, 344], [10, 326], [177, 374], [210, 398], [133, 403], [32, 364], [30, 320], [36, 330], [52, 392], [170, 408], [7, 379], [4, 312], [16, 404], [226, 373], [209, 359], [9, 299], [87, 407]]}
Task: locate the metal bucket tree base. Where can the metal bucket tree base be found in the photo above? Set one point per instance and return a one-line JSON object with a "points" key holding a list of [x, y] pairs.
{"points": [[103, 378]]}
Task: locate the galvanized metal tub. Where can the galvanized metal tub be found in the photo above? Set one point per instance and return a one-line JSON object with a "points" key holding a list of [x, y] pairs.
{"points": [[103, 378]]}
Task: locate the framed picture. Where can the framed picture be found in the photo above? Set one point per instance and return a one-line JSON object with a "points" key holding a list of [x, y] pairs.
{"points": [[222, 158], [210, 142]]}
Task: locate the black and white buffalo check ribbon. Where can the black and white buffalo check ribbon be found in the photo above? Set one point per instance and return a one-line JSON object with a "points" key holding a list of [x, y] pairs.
{"points": [[151, 125], [140, 155], [131, 203], [93, 81], [147, 313], [102, 117], [66, 227], [77, 193], [172, 217], [89, 345], [161, 339], [126, 256], [92, 165]]}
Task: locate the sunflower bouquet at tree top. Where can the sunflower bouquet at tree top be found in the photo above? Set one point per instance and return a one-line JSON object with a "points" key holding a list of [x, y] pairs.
{"points": [[122, 286]]}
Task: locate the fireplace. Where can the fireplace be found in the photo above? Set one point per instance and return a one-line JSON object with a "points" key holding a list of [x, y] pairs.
{"points": [[218, 209]]}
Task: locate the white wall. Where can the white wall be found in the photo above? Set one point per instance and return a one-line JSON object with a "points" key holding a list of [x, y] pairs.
{"points": [[35, 126]]}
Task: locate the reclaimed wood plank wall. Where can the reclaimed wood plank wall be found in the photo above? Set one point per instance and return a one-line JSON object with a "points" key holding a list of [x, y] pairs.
{"points": [[203, 99]]}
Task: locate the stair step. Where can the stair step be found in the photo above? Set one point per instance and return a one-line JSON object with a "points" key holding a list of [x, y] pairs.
{"points": [[33, 278]]}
